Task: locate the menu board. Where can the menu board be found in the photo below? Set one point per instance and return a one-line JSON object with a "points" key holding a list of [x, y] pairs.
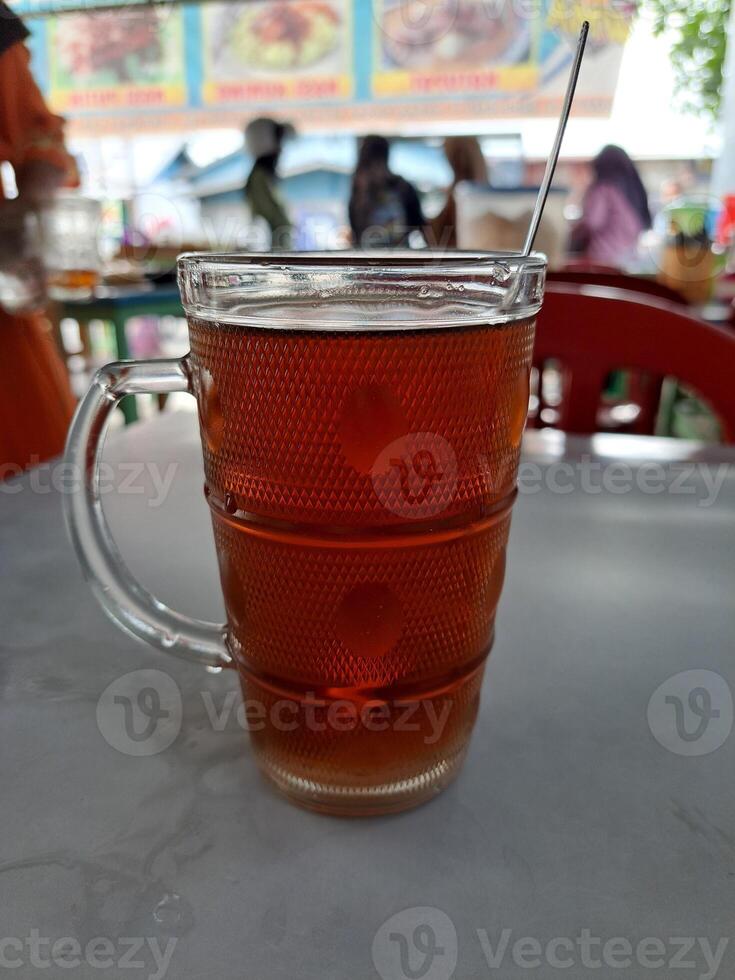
{"points": [[126, 59], [336, 64], [271, 50]]}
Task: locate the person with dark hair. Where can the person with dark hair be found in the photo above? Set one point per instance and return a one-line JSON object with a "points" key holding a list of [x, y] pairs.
{"points": [[384, 208], [614, 211], [36, 402], [264, 139], [465, 157]]}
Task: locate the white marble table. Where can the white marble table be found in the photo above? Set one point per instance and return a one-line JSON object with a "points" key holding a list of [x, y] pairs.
{"points": [[585, 823]]}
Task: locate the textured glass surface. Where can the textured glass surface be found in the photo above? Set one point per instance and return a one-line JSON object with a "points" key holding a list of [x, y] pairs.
{"points": [[360, 486], [361, 419]]}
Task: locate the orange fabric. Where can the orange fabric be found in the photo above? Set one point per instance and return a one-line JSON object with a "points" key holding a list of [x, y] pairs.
{"points": [[28, 130], [36, 402]]}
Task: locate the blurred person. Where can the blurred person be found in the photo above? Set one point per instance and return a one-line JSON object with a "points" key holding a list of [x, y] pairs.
{"points": [[614, 211], [384, 208], [36, 402], [264, 139], [465, 157]]}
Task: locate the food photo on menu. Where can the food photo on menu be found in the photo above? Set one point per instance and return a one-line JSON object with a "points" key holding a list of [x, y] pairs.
{"points": [[274, 36], [463, 34]]}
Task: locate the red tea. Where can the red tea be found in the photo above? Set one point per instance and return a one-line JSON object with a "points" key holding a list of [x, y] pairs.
{"points": [[360, 485], [74, 278]]}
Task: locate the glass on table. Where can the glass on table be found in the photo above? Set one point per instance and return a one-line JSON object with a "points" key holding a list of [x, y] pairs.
{"points": [[361, 418], [70, 228], [22, 278]]}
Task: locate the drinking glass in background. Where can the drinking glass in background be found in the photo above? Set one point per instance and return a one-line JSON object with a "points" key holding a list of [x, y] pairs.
{"points": [[22, 276], [688, 263], [70, 227]]}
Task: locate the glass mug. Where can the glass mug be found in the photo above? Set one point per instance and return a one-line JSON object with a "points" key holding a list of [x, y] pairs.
{"points": [[70, 230], [22, 275], [361, 419]]}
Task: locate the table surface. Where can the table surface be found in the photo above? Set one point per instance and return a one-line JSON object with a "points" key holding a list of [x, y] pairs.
{"points": [[569, 814]]}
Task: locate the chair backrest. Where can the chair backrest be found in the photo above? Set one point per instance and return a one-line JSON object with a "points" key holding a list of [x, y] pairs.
{"points": [[617, 280], [592, 330], [586, 268]]}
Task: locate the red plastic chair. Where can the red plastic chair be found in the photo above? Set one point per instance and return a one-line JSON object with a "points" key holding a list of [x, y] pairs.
{"points": [[617, 280], [644, 390], [592, 331], [586, 268]]}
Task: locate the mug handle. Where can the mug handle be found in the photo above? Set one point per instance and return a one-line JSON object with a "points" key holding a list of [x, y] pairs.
{"points": [[124, 599]]}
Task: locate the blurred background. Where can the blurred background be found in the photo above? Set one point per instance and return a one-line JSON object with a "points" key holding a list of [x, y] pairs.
{"points": [[156, 100]]}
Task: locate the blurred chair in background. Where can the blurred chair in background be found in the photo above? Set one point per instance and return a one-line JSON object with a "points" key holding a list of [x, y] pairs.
{"points": [[583, 268], [588, 331], [626, 392], [614, 279]]}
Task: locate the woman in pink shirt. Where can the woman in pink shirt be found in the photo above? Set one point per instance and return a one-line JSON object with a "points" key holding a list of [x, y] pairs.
{"points": [[614, 211]]}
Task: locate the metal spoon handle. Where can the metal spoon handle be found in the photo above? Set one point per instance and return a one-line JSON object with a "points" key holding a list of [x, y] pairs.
{"points": [[554, 158]]}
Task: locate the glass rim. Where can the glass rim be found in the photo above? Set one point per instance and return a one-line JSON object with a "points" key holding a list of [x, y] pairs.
{"points": [[393, 260], [363, 290]]}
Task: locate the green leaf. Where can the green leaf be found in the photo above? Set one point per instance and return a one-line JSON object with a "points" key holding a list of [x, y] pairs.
{"points": [[698, 29]]}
